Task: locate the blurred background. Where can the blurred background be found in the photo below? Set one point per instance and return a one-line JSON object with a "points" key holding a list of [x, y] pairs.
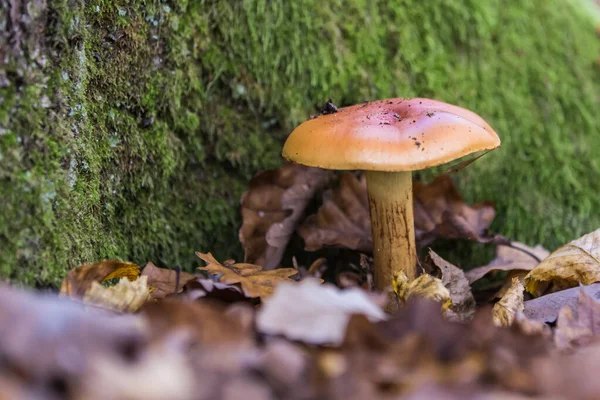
{"points": [[129, 129]]}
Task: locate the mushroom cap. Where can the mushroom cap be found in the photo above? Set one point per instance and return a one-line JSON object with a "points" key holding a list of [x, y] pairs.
{"points": [[390, 135]]}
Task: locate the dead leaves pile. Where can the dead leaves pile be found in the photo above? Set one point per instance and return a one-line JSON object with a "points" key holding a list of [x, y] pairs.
{"points": [[252, 331]]}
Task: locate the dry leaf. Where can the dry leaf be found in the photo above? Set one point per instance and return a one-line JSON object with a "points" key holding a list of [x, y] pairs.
{"points": [[425, 286], [272, 208], [510, 304], [546, 308], [164, 280], [125, 296], [254, 281], [342, 220], [440, 212], [574, 263], [79, 280], [574, 329], [453, 278], [510, 259], [313, 312]]}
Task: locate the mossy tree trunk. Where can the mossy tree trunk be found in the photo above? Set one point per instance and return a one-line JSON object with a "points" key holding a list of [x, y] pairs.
{"points": [[129, 128]]}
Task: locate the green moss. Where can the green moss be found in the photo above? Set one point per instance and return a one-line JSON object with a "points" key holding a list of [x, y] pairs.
{"points": [[129, 128]]}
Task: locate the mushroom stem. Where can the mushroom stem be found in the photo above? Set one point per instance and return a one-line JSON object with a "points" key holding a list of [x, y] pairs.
{"points": [[392, 225]]}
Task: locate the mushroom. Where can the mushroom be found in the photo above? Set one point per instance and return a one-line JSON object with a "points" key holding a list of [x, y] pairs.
{"points": [[389, 139]]}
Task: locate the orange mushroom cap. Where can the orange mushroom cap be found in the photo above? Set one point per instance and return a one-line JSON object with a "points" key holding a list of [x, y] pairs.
{"points": [[390, 135]]}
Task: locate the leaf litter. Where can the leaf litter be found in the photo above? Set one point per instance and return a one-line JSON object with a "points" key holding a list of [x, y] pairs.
{"points": [[253, 331]]}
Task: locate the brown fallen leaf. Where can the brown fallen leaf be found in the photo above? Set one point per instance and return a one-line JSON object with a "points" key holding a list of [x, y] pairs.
{"points": [[509, 305], [342, 220], [272, 208], [125, 296], [576, 262], [574, 330], [79, 280], [253, 280], [164, 280], [453, 278], [510, 259], [440, 212], [546, 308]]}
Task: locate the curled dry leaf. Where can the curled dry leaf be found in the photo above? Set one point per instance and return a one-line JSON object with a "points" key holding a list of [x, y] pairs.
{"points": [[343, 218], [313, 312], [572, 329], [164, 281], [125, 296], [574, 263], [425, 286], [510, 259], [453, 278], [253, 280], [440, 211], [79, 280], [510, 304], [546, 308], [272, 208]]}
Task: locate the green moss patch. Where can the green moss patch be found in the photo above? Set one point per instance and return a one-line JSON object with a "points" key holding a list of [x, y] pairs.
{"points": [[128, 129]]}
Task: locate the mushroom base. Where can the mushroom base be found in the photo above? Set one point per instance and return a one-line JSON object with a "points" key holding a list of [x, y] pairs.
{"points": [[392, 224]]}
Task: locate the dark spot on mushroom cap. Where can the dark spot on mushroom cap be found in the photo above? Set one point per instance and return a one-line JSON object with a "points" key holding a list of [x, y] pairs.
{"points": [[418, 144]]}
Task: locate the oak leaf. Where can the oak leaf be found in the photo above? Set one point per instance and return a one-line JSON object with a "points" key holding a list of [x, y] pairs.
{"points": [[272, 208], [125, 296], [253, 280], [343, 219], [510, 304], [576, 262], [164, 281], [80, 279]]}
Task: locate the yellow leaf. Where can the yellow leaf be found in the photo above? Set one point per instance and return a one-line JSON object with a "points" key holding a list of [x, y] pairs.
{"points": [[254, 281], [125, 296], [510, 304], [80, 279], [425, 286], [576, 262]]}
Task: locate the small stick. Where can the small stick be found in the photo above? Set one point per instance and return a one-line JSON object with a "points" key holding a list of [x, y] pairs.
{"points": [[178, 273]]}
